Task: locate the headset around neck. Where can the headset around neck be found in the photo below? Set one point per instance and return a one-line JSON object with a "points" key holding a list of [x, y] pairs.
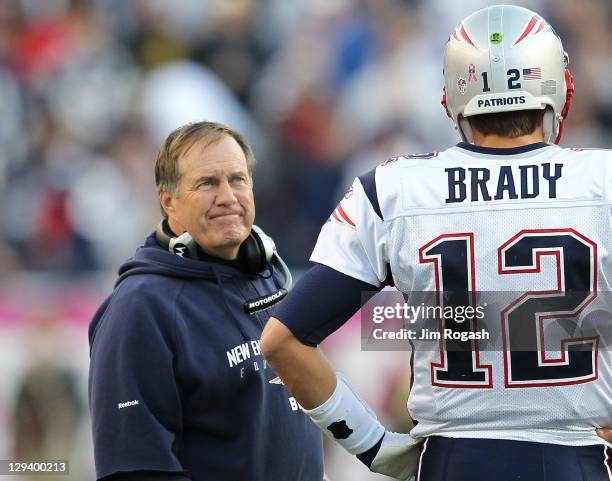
{"points": [[256, 253]]}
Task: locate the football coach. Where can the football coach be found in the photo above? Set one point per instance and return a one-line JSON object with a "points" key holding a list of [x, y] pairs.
{"points": [[178, 388]]}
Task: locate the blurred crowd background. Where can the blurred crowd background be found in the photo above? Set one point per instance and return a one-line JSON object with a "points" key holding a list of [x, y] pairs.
{"points": [[323, 89]]}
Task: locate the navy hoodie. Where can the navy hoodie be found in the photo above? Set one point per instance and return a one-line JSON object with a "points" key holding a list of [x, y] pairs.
{"points": [[178, 383]]}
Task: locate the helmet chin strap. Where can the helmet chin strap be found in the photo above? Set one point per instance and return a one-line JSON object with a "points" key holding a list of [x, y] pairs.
{"points": [[548, 125], [465, 129], [462, 125]]}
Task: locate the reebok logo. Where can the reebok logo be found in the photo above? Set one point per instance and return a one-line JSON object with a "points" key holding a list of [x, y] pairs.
{"points": [[127, 404]]}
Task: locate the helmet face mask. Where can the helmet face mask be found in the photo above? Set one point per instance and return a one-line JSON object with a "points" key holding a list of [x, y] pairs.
{"points": [[502, 59]]}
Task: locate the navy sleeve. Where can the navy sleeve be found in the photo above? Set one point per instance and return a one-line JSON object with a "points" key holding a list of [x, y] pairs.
{"points": [[134, 399], [321, 301]]}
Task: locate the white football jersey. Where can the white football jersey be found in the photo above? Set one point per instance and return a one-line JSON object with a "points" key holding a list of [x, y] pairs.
{"points": [[534, 223]]}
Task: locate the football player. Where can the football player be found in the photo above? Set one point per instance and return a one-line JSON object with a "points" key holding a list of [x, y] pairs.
{"points": [[504, 210]]}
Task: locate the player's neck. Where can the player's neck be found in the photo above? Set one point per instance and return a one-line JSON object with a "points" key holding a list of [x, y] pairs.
{"points": [[502, 142]]}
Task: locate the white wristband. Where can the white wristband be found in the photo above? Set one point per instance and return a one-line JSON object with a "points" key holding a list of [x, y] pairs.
{"points": [[347, 419]]}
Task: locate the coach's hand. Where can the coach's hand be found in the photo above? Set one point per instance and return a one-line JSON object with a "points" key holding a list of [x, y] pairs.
{"points": [[605, 433], [397, 456]]}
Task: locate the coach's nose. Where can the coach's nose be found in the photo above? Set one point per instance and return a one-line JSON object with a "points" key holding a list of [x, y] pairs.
{"points": [[225, 194]]}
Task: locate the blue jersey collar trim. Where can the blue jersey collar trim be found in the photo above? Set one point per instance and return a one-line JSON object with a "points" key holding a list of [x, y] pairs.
{"points": [[502, 151]]}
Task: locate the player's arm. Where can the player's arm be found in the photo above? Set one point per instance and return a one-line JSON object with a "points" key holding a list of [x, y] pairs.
{"points": [[321, 302], [605, 433], [327, 397], [304, 369], [351, 251], [323, 299]]}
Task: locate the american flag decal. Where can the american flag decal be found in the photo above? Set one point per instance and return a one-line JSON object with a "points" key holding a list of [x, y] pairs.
{"points": [[534, 73]]}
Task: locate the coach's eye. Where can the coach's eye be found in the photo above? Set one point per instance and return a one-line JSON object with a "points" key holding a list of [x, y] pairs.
{"points": [[240, 179], [205, 183]]}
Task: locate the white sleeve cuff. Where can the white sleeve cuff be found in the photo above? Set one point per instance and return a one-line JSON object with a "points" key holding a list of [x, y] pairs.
{"points": [[347, 419]]}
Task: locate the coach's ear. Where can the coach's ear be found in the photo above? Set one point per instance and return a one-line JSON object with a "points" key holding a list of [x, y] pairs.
{"points": [[166, 200], [605, 433]]}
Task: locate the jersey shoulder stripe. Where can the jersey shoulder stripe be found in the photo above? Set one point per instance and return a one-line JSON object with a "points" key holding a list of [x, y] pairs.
{"points": [[368, 182]]}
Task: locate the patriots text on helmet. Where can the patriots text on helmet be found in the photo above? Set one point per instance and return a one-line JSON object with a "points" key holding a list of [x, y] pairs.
{"points": [[502, 101]]}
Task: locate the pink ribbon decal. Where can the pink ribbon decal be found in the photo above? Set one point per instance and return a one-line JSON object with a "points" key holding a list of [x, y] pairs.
{"points": [[472, 72]]}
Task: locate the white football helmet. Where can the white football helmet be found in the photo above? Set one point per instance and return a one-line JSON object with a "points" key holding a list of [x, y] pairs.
{"points": [[506, 58]]}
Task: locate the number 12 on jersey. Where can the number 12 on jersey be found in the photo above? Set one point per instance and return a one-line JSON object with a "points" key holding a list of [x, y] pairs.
{"points": [[522, 321]]}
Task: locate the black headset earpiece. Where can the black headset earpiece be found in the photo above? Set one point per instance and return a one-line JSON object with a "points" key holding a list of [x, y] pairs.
{"points": [[256, 251], [259, 252]]}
